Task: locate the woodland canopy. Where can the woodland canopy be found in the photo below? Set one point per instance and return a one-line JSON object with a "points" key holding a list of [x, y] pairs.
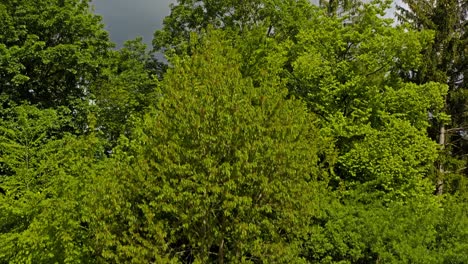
{"points": [[277, 131]]}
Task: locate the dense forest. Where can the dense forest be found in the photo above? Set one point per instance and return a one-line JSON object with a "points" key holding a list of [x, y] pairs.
{"points": [[275, 131]]}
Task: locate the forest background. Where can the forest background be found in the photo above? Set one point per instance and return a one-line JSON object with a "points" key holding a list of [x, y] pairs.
{"points": [[276, 131]]}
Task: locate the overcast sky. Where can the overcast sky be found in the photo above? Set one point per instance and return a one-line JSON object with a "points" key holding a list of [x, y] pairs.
{"points": [[128, 19]]}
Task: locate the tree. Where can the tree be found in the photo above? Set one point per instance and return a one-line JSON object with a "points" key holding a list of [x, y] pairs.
{"points": [[129, 85], [59, 203], [444, 62], [224, 169], [41, 176], [50, 53], [349, 76], [277, 18]]}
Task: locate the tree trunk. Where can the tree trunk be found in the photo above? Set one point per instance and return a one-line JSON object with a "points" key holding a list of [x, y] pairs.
{"points": [[440, 177], [221, 252]]}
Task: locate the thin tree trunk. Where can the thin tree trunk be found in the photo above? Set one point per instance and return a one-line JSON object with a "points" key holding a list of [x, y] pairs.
{"points": [[440, 177], [221, 252]]}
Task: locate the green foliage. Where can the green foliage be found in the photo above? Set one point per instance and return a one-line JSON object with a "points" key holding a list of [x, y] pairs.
{"points": [[424, 229], [337, 65], [227, 168], [278, 18], [396, 233], [50, 51], [126, 91], [216, 160], [444, 62], [25, 131], [41, 181], [349, 75], [390, 164]]}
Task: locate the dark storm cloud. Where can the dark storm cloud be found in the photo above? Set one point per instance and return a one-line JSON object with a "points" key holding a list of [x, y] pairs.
{"points": [[127, 19]]}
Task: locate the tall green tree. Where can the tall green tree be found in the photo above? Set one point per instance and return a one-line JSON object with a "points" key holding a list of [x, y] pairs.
{"points": [[224, 169], [444, 62], [349, 75], [50, 52]]}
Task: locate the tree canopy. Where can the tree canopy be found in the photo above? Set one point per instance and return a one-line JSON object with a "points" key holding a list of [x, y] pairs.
{"points": [[275, 132]]}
